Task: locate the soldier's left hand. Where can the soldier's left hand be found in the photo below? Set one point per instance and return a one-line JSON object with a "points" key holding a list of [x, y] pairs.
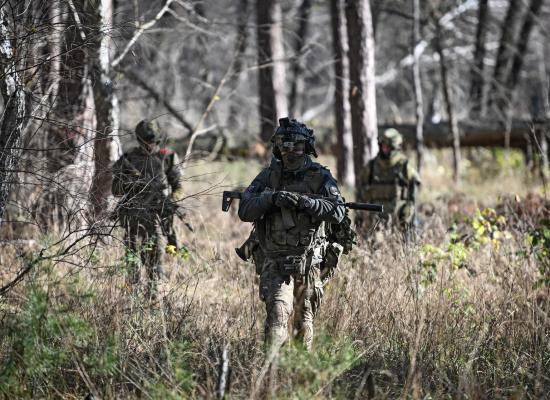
{"points": [[305, 203], [286, 199]]}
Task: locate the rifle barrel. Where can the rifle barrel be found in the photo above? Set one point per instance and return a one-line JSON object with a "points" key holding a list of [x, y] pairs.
{"points": [[365, 206]]}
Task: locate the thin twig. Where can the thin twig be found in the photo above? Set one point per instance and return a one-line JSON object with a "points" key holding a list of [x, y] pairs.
{"points": [[140, 31], [77, 20], [213, 99], [157, 96]]}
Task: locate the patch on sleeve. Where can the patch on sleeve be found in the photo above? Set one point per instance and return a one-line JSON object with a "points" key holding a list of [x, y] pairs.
{"points": [[333, 190], [250, 189]]}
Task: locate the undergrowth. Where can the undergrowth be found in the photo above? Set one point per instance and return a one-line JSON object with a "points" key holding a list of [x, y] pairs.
{"points": [[461, 313]]}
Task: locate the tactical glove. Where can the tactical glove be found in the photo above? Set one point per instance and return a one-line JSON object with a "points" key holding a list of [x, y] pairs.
{"points": [[284, 199], [306, 203]]}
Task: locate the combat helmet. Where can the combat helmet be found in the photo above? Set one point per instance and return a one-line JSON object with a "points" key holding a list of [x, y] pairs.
{"points": [[147, 132], [290, 130], [391, 137]]}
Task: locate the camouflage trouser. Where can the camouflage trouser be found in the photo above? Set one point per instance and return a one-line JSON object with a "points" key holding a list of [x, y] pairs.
{"points": [[284, 294], [143, 239]]}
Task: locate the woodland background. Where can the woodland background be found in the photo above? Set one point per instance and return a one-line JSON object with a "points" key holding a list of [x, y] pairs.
{"points": [[463, 312]]}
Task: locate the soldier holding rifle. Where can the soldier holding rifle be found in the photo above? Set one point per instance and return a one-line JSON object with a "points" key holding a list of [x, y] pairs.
{"points": [[300, 230]]}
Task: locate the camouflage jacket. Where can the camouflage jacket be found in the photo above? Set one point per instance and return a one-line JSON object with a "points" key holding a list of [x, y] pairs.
{"points": [[390, 182], [146, 178], [306, 229]]}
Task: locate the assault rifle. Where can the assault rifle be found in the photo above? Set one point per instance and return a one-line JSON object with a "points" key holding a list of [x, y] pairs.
{"points": [[342, 234], [228, 197]]}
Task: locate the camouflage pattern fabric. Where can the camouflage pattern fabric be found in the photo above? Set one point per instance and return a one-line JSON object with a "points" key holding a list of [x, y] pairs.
{"points": [[150, 186], [293, 242], [391, 182]]}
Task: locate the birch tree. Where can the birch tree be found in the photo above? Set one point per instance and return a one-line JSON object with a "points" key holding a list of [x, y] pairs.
{"points": [[13, 117], [106, 147]]}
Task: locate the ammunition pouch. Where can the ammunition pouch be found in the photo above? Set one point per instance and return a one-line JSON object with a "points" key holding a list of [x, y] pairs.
{"points": [[343, 234], [292, 265]]}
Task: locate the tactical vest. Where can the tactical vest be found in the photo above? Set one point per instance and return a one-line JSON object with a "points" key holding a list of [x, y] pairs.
{"points": [[151, 169], [388, 186], [277, 236]]}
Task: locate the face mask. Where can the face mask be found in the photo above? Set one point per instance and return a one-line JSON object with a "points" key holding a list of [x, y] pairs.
{"points": [[293, 155]]}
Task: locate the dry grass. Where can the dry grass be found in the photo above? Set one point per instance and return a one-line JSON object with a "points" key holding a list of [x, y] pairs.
{"points": [[400, 321]]}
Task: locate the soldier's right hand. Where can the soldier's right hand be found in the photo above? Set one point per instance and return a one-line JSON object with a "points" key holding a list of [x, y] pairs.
{"points": [[284, 199]]}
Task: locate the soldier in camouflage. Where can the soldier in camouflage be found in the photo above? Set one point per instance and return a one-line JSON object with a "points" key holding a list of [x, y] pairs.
{"points": [[391, 181], [149, 179], [291, 228]]}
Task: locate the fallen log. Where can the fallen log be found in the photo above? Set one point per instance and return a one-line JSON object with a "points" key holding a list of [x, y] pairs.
{"points": [[472, 134]]}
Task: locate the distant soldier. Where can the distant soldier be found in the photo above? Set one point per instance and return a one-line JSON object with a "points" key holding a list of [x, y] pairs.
{"points": [[149, 179], [291, 230], [391, 181]]}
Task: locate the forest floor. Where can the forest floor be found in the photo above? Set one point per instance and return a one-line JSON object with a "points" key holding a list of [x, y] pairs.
{"points": [[463, 312]]}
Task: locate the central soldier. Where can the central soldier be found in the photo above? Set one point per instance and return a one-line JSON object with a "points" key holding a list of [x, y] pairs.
{"points": [[291, 225]]}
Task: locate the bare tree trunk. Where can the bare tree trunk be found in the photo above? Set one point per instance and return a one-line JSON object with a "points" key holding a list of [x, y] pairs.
{"points": [[453, 125], [272, 69], [344, 144], [54, 41], [521, 46], [477, 98], [542, 112], [417, 80], [362, 93], [376, 10], [498, 95], [13, 116], [242, 12], [63, 204], [473, 133], [106, 146], [297, 85]]}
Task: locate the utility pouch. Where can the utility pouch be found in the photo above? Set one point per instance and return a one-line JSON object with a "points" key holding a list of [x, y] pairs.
{"points": [[291, 265]]}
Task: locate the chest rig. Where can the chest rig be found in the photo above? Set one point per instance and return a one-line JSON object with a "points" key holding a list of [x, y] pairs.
{"points": [[295, 233], [146, 173], [151, 166], [387, 184]]}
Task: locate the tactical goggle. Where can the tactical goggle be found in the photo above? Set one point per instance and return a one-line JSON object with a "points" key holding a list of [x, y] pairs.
{"points": [[290, 142]]}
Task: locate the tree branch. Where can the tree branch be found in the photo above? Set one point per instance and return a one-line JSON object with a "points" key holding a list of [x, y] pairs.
{"points": [[134, 77], [140, 31]]}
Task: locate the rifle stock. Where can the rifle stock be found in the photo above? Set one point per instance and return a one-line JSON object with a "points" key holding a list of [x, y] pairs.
{"points": [[228, 197]]}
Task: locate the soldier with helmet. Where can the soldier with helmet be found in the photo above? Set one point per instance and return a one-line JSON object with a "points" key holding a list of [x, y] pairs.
{"points": [[390, 180], [149, 180], [291, 223]]}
